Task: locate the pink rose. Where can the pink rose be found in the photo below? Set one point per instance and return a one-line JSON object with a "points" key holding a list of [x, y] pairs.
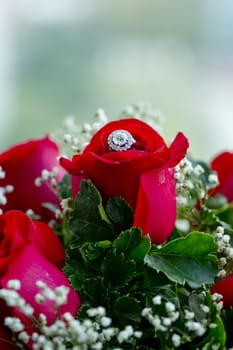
{"points": [[128, 158], [30, 251], [23, 163]]}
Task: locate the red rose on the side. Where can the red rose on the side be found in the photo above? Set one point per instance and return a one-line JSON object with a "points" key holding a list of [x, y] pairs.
{"points": [[223, 165], [30, 251], [141, 173], [225, 288], [23, 163]]}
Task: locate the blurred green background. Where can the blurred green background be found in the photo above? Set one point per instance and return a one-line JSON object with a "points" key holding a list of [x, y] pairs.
{"points": [[62, 57]]}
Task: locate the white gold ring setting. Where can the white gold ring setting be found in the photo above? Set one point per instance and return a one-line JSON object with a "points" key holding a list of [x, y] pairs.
{"points": [[120, 140]]}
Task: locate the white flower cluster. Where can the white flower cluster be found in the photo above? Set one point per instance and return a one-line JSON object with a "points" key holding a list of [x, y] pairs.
{"points": [[65, 208], [93, 333], [4, 190], [77, 136], [191, 186], [165, 321], [96, 331], [187, 177], [144, 111], [217, 298], [225, 250], [47, 175]]}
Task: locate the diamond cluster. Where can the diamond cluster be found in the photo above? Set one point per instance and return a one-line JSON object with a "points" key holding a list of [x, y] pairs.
{"points": [[120, 140]]}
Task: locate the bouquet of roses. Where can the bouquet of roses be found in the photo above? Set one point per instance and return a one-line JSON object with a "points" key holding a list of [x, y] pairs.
{"points": [[125, 244]]}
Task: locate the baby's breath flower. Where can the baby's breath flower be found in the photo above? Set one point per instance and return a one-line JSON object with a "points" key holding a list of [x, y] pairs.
{"points": [[47, 175], [14, 284], [181, 200], [3, 191], [213, 178], [105, 321], [198, 170], [2, 173], [61, 294], [157, 300], [222, 273], [205, 308], [14, 324], [217, 296], [23, 337], [40, 299], [176, 340], [188, 315], [219, 305], [170, 306], [125, 334]]}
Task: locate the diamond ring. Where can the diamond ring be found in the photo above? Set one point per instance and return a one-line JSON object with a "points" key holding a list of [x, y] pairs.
{"points": [[120, 140]]}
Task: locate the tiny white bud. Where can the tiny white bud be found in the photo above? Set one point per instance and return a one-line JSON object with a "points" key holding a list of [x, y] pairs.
{"points": [[176, 340], [170, 307], [14, 284], [157, 300], [213, 178]]}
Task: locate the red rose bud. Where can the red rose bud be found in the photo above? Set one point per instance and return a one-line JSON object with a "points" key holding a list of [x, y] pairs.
{"points": [[128, 158], [223, 165], [30, 252], [20, 166]]}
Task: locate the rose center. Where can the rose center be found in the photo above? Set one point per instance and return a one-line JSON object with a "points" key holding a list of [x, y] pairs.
{"points": [[120, 140]]}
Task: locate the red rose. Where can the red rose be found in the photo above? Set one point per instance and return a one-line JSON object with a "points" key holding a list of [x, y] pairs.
{"points": [[223, 165], [225, 288], [30, 251], [138, 166], [23, 163]]}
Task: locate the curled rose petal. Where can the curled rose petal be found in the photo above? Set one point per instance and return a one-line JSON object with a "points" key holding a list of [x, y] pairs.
{"points": [[155, 200]]}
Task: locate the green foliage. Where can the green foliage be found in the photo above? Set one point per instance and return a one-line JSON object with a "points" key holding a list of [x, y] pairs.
{"points": [[64, 187], [113, 265], [119, 212], [88, 221], [187, 259]]}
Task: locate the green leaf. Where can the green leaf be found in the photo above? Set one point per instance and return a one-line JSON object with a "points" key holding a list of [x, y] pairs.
{"points": [[133, 244], [120, 212], [94, 284], [187, 259], [217, 335], [88, 221], [195, 300], [127, 310], [64, 187], [116, 270]]}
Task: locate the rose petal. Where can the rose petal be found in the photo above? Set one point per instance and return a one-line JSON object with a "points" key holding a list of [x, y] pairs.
{"points": [[156, 204], [23, 163], [223, 165], [225, 287], [178, 149], [29, 267], [6, 340], [14, 227], [146, 137], [48, 243]]}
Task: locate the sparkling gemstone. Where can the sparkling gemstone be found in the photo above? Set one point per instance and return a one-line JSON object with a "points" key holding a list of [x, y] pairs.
{"points": [[120, 140]]}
